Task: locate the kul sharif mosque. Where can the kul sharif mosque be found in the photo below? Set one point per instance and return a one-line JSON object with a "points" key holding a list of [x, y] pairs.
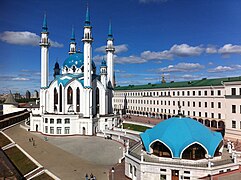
{"points": [[77, 100]]}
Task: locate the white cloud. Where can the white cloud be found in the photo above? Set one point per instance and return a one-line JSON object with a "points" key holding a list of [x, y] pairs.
{"points": [[219, 69], [211, 50], [184, 50], [20, 79], [118, 49], [119, 71], [129, 60], [230, 49], [182, 67], [148, 55], [190, 77], [24, 38]]}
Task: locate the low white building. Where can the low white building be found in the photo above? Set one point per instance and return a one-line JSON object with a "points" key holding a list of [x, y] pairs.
{"points": [[178, 148], [214, 102], [77, 100]]}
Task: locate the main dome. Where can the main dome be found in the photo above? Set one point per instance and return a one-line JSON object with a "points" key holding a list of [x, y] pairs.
{"points": [[76, 59], [178, 133]]}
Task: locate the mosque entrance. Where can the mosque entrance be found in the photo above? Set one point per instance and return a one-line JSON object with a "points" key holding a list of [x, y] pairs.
{"points": [[175, 175], [36, 128], [83, 130]]}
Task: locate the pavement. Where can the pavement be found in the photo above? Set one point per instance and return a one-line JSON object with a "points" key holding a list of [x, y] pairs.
{"points": [[70, 157]]}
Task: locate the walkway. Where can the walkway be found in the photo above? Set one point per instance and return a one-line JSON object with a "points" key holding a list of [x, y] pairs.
{"points": [[64, 164]]}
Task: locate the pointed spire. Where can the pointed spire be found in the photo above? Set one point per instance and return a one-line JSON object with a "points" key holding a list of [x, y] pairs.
{"points": [[45, 28], [103, 63], [72, 35], [87, 17], [110, 35]]}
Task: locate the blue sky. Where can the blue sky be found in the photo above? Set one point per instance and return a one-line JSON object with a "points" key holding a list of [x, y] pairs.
{"points": [[182, 39]]}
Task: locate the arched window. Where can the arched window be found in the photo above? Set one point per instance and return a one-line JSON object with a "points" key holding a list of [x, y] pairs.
{"points": [[55, 99], [194, 152], [69, 95], [78, 100], [97, 100], [160, 149], [60, 98]]}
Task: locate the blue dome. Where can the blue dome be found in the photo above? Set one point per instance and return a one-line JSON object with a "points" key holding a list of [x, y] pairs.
{"points": [[179, 133], [76, 59], [103, 63]]}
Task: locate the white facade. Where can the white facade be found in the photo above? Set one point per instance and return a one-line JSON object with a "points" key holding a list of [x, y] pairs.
{"points": [[76, 101], [216, 106]]}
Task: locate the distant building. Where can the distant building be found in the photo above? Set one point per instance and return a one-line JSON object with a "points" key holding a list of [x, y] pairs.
{"points": [[28, 94], [213, 102], [10, 105], [35, 94], [17, 96]]}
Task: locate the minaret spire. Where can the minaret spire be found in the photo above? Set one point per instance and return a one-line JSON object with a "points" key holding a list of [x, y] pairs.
{"points": [[87, 17], [110, 35], [72, 35], [45, 28]]}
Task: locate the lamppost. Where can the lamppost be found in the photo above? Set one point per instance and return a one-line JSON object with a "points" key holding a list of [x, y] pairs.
{"points": [[112, 173]]}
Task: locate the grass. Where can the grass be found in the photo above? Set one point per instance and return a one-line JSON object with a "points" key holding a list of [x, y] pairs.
{"points": [[4, 140], [20, 160], [135, 127], [43, 176]]}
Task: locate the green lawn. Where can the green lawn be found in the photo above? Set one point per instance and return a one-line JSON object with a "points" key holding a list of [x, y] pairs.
{"points": [[22, 162], [4, 140], [135, 127], [43, 176]]}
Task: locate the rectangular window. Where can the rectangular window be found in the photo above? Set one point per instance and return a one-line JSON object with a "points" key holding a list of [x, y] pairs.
{"points": [[130, 168], [212, 92], [233, 91], [199, 104], [183, 93], [219, 116], [67, 121], [233, 124], [212, 115], [206, 104], [188, 103], [206, 114], [188, 93], [186, 172], [163, 170], [59, 121], [199, 93], [51, 121], [233, 108], [193, 113], [66, 130], [212, 104], [183, 103], [205, 93], [193, 103], [219, 92], [46, 129], [173, 103], [46, 120], [219, 104], [200, 114], [193, 93], [188, 113], [58, 130], [51, 130]]}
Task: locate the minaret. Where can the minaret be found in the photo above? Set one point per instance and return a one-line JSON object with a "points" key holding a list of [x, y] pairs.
{"points": [[110, 53], [44, 44], [103, 72], [72, 46], [87, 40]]}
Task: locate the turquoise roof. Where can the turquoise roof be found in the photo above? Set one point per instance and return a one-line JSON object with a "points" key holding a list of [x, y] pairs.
{"points": [[87, 17], [72, 35], [45, 28], [103, 63], [110, 35], [66, 79], [178, 133], [76, 59]]}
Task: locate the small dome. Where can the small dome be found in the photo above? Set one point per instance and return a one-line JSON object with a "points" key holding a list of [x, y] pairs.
{"points": [[76, 59], [103, 63], [178, 133]]}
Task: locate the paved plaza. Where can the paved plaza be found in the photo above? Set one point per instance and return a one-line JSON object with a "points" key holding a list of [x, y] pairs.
{"points": [[70, 157]]}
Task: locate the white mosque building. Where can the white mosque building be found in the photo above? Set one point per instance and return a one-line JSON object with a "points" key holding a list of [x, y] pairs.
{"points": [[77, 101]]}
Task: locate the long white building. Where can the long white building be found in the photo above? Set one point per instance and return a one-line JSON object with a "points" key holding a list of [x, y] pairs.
{"points": [[77, 100], [214, 102]]}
